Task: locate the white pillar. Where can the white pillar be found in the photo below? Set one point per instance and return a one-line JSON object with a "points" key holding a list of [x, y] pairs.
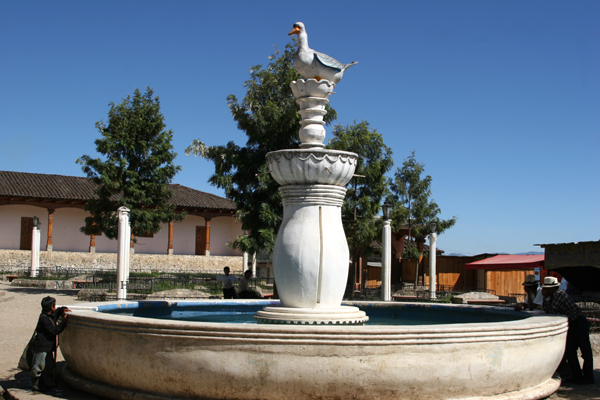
{"points": [[123, 253], [432, 265], [254, 265], [244, 261], [386, 261], [35, 248]]}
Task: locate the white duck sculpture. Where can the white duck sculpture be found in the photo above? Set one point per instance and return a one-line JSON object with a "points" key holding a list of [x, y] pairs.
{"points": [[314, 65]]}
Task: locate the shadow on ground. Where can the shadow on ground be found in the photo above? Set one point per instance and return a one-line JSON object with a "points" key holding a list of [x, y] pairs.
{"points": [[569, 391], [20, 388]]}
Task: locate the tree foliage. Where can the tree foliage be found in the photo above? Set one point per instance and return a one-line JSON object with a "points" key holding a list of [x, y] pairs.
{"points": [[411, 201], [135, 170], [365, 193], [268, 115]]}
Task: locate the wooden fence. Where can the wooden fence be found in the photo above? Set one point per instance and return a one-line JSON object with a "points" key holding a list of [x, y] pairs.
{"points": [[451, 272]]}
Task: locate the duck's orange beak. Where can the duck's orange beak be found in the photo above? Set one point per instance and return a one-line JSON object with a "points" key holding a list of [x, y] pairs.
{"points": [[294, 31]]}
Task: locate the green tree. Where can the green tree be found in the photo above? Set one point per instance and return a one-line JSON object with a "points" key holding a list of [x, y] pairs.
{"points": [[136, 168], [365, 192], [269, 116], [412, 204]]}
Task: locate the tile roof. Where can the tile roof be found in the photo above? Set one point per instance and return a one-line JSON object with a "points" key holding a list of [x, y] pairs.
{"points": [[73, 188]]}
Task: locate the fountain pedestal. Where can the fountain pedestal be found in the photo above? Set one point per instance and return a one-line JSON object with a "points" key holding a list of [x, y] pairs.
{"points": [[311, 256]]}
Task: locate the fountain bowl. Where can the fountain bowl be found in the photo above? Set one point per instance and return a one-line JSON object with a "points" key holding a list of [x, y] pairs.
{"points": [[314, 166], [312, 88], [129, 356]]}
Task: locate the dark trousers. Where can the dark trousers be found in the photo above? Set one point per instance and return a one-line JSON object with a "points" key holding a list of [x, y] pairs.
{"points": [[249, 294], [578, 337], [43, 371], [229, 293]]}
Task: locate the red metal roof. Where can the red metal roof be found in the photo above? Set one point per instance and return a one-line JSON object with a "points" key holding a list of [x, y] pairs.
{"points": [[509, 261]]}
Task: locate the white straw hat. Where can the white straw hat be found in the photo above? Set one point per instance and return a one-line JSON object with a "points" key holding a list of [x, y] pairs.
{"points": [[530, 280], [550, 282]]}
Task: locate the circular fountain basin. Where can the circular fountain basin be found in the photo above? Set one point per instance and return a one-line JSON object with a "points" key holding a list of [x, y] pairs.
{"points": [[213, 349]]}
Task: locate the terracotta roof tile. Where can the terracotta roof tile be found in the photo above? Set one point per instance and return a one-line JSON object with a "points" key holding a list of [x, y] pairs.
{"points": [[61, 187]]}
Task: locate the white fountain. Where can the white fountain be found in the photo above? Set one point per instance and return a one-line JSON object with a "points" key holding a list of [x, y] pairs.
{"points": [[310, 258], [309, 345]]}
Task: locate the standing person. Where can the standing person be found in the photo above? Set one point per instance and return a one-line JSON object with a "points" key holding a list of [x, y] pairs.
{"points": [[244, 290], [227, 282], [556, 301], [534, 299], [50, 324]]}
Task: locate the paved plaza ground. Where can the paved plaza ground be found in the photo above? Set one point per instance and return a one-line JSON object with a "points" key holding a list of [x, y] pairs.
{"points": [[19, 311]]}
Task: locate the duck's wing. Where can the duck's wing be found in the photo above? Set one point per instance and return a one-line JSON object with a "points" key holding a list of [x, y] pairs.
{"points": [[328, 61]]}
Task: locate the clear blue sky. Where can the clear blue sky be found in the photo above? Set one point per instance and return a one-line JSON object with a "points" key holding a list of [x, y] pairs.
{"points": [[499, 99]]}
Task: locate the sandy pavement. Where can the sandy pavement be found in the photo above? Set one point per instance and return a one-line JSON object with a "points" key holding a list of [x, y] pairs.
{"points": [[19, 311]]}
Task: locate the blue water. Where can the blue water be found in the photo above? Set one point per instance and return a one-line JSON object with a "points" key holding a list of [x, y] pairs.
{"points": [[389, 314]]}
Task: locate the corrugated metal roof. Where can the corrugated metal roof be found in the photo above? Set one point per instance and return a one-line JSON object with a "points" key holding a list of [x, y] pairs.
{"points": [[509, 261]]}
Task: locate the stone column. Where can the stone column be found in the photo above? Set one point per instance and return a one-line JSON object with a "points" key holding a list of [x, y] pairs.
{"points": [[386, 261], [35, 248], [170, 244], [432, 265], [50, 226], [245, 261], [123, 253]]}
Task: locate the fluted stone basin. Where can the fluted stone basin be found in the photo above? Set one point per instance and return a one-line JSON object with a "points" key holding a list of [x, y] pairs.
{"points": [[316, 166], [312, 88], [124, 355]]}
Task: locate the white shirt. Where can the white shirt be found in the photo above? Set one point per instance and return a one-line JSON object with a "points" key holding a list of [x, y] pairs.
{"points": [[227, 280], [538, 299], [243, 285]]}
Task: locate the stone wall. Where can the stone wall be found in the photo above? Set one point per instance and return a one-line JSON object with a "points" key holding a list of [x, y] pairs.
{"points": [[18, 260], [595, 342]]}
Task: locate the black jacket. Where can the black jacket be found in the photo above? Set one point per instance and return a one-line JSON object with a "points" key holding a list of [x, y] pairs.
{"points": [[47, 329]]}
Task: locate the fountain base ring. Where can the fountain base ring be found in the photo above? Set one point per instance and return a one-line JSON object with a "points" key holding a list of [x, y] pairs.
{"points": [[343, 315]]}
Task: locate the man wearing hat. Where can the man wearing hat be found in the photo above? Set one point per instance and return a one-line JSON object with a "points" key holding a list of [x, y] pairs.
{"points": [[556, 301], [534, 298]]}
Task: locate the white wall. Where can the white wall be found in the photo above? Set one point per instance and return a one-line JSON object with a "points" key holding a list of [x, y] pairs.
{"points": [[184, 235], [222, 230], [155, 245], [10, 225], [67, 237], [106, 245]]}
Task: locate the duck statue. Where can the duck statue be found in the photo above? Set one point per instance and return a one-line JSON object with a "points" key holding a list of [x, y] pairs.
{"points": [[314, 65]]}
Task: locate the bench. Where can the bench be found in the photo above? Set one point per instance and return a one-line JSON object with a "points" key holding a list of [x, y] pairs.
{"points": [[268, 296], [11, 278]]}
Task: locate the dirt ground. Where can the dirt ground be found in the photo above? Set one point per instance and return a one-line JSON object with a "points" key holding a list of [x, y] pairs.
{"points": [[19, 311]]}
